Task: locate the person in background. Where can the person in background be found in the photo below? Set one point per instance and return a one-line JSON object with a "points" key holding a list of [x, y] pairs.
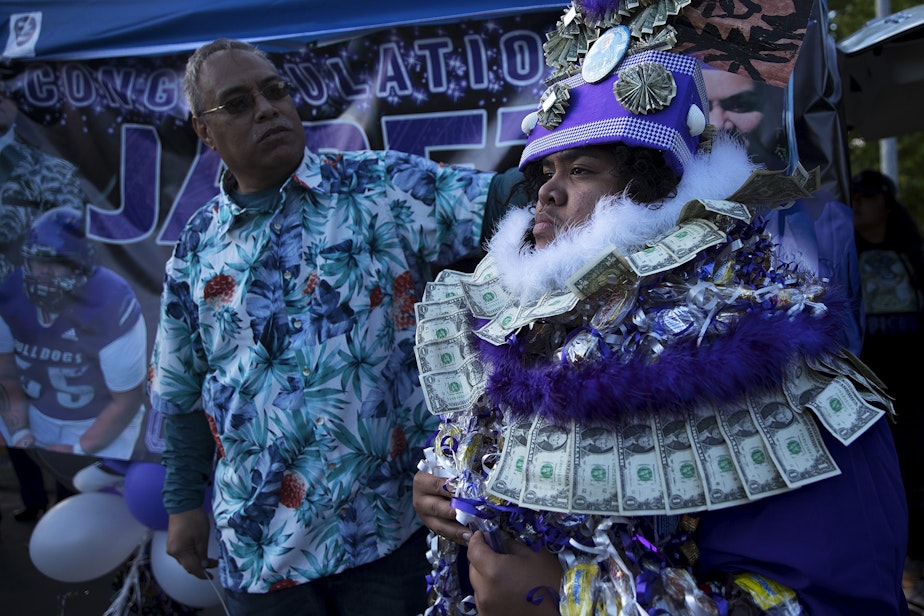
{"points": [[892, 269], [285, 348], [620, 301], [73, 355], [31, 183]]}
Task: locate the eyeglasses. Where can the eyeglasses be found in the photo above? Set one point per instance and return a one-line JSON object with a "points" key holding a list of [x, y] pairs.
{"points": [[242, 103], [742, 102]]}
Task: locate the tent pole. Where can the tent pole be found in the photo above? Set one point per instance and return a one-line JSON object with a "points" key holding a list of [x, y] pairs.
{"points": [[888, 148]]}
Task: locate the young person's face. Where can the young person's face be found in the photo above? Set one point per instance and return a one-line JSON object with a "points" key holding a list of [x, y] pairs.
{"points": [[574, 180], [262, 144], [870, 211]]}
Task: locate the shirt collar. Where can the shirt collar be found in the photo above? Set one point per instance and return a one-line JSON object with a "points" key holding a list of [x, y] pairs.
{"points": [[307, 175]]}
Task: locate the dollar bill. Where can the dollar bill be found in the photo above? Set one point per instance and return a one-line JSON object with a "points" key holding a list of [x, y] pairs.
{"points": [[651, 260], [880, 402], [793, 440], [682, 480], [444, 355], [455, 390], [551, 304], [485, 298], [439, 291], [676, 247], [850, 365], [844, 413], [871, 389], [442, 326], [769, 188], [595, 489], [640, 479], [548, 471], [452, 276], [507, 479], [801, 384], [723, 485], [809, 180], [485, 270], [513, 316], [700, 208], [503, 324], [759, 474], [426, 310], [692, 237], [606, 268]]}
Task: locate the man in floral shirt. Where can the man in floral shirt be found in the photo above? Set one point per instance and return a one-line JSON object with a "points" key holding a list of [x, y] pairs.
{"points": [[285, 346]]}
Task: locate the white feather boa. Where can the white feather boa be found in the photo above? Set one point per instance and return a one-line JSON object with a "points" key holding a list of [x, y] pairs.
{"points": [[617, 220]]}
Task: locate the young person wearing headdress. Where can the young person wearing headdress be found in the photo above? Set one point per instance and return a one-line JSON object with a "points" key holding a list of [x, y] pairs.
{"points": [[639, 295]]}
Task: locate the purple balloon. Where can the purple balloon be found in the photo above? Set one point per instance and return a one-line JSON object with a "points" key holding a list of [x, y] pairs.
{"points": [[142, 493]]}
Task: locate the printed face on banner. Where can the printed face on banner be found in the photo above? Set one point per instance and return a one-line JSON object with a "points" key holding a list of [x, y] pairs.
{"points": [[751, 110]]}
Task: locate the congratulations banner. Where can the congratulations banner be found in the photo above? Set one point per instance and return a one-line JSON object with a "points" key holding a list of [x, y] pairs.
{"points": [[456, 93]]}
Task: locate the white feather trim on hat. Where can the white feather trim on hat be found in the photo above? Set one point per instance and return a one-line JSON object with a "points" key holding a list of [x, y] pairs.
{"points": [[529, 273]]}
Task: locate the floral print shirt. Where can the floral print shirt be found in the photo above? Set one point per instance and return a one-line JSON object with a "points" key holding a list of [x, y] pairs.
{"points": [[292, 326]]}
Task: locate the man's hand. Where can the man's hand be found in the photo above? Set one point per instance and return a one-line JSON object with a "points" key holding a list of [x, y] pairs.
{"points": [[432, 501], [188, 541], [510, 584]]}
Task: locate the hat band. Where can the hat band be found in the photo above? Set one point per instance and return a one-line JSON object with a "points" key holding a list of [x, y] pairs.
{"points": [[632, 130]]}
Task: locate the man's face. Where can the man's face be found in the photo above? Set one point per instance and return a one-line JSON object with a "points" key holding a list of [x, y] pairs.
{"points": [[575, 180], [261, 146], [733, 102]]}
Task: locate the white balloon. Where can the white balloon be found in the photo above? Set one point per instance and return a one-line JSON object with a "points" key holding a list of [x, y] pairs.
{"points": [[95, 478], [84, 537], [179, 584]]}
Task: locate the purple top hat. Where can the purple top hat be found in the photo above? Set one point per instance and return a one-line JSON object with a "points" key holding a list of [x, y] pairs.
{"points": [[653, 99]]}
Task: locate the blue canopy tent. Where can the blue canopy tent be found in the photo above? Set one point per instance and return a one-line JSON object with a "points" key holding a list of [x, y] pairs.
{"points": [[118, 28]]}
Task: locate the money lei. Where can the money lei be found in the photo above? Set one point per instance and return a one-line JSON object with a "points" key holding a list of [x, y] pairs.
{"points": [[701, 298]]}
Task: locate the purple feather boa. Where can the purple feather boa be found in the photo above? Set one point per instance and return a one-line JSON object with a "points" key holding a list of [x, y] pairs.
{"points": [[749, 357]]}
